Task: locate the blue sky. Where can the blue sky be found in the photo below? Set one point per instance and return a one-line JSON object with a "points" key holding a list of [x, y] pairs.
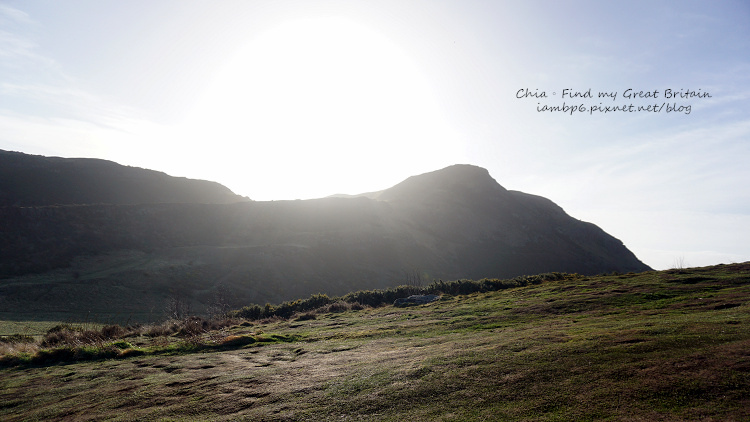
{"points": [[303, 99]]}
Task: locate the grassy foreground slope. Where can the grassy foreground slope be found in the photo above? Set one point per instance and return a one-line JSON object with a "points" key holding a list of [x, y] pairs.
{"points": [[655, 346]]}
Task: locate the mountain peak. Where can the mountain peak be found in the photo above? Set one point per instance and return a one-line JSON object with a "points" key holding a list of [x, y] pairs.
{"points": [[462, 181]]}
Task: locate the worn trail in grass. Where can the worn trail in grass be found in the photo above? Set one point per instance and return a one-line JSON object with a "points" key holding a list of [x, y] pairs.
{"points": [[669, 346]]}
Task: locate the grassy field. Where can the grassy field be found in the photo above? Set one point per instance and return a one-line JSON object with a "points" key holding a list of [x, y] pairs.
{"points": [[29, 328], [656, 346]]}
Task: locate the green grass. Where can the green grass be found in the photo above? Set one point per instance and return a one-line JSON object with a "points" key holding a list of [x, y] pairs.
{"points": [[668, 346]]}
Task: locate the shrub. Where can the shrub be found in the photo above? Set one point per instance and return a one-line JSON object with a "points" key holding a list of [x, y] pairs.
{"points": [[285, 310], [248, 312], [237, 341], [113, 331], [122, 344], [64, 335], [193, 326], [63, 327], [339, 306], [161, 330], [89, 337], [131, 352], [316, 301], [306, 316], [54, 355]]}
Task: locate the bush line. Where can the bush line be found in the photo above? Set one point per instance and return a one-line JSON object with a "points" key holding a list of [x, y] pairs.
{"points": [[376, 298]]}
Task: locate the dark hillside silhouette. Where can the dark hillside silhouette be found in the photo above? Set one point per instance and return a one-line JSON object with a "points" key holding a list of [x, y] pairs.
{"points": [[453, 223], [34, 180]]}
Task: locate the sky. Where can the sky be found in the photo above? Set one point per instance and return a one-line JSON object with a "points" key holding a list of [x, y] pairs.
{"points": [[634, 116]]}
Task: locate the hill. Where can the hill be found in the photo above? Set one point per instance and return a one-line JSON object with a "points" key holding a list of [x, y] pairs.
{"points": [[127, 261], [34, 180], [655, 346], [493, 232]]}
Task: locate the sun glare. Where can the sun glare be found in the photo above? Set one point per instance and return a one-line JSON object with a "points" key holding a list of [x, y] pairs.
{"points": [[314, 107]]}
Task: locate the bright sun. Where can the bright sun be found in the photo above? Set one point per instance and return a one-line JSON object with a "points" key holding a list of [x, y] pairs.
{"points": [[314, 107]]}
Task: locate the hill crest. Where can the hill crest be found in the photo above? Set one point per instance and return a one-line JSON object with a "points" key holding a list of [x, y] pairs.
{"points": [[35, 180], [464, 181]]}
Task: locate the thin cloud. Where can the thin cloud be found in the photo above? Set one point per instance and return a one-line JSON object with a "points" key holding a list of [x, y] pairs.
{"points": [[8, 13], [18, 51], [13, 46]]}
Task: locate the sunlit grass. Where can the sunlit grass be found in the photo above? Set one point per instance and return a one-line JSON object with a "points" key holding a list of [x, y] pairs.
{"points": [[669, 346]]}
